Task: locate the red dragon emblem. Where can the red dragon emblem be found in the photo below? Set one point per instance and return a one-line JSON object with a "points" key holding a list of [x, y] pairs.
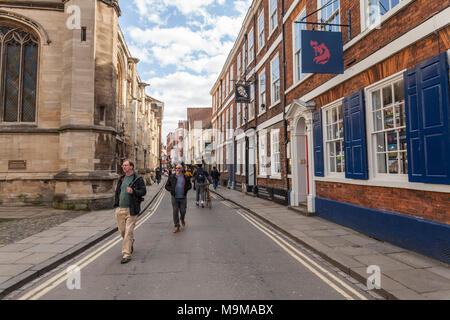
{"points": [[321, 51]]}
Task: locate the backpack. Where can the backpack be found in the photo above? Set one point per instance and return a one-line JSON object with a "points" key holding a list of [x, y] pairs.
{"points": [[201, 177]]}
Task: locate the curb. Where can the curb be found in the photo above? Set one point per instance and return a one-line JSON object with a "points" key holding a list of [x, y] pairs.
{"points": [[35, 272], [382, 292]]}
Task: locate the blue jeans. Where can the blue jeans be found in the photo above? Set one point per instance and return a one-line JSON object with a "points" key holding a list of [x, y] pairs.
{"points": [[215, 183]]}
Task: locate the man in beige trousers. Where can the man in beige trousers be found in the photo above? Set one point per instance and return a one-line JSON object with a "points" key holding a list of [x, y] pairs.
{"points": [[129, 195]]}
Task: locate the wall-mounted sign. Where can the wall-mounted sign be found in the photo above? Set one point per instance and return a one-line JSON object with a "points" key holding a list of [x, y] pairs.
{"points": [[17, 164], [242, 93], [322, 52]]}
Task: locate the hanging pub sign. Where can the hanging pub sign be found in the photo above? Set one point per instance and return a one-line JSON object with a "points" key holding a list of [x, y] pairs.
{"points": [[242, 93], [322, 52]]}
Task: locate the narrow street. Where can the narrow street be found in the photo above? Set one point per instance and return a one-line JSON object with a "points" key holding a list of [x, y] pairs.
{"points": [[223, 253]]}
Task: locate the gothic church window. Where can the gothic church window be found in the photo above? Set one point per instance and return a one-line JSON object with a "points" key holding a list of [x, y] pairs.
{"points": [[19, 52]]}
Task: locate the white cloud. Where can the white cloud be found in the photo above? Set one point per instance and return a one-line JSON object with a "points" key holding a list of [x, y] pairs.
{"points": [[194, 52]]}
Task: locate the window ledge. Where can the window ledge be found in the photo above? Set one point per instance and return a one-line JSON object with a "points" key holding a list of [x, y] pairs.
{"points": [[389, 184], [262, 176], [277, 177], [274, 104]]}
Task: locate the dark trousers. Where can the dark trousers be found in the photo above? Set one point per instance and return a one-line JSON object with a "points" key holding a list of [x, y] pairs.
{"points": [[215, 183], [178, 205]]}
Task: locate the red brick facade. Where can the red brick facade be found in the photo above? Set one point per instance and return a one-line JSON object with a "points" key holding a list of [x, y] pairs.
{"points": [[433, 206]]}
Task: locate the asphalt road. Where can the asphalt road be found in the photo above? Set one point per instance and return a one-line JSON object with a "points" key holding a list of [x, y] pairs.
{"points": [[221, 254]]}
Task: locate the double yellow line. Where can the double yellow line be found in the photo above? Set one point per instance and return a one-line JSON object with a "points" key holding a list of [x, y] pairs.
{"points": [[55, 281], [330, 279]]}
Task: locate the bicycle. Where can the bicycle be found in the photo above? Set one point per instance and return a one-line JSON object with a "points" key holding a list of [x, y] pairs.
{"points": [[207, 197]]}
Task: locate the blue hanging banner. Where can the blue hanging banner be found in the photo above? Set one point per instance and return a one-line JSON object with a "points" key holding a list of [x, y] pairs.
{"points": [[322, 52]]}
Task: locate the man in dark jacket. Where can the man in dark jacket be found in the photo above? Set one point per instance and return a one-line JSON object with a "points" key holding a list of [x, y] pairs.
{"points": [[178, 185], [202, 180], [215, 175], [129, 195]]}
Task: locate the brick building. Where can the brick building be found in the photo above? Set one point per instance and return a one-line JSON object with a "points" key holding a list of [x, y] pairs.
{"points": [[369, 148]]}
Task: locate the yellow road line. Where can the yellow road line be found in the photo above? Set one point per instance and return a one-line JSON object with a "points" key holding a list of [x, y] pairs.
{"points": [[62, 276], [294, 252]]}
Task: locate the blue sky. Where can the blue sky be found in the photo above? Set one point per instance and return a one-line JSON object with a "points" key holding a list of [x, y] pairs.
{"points": [[182, 46]]}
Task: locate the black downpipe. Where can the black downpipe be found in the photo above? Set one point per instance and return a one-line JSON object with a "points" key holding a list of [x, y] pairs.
{"points": [[284, 96]]}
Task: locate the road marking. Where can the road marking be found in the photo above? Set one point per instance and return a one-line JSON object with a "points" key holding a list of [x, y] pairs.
{"points": [[52, 283], [295, 253]]}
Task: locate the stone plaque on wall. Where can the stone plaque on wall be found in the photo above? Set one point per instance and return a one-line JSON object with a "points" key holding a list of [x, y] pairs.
{"points": [[17, 164]]}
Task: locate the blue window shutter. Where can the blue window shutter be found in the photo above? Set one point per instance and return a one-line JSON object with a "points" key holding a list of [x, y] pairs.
{"points": [[355, 137], [318, 144], [428, 120]]}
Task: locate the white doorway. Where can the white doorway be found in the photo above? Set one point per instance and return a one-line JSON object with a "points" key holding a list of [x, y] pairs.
{"points": [[301, 161]]}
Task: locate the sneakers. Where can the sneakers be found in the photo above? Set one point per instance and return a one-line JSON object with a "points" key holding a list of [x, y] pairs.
{"points": [[196, 203], [183, 223], [203, 205], [125, 260], [177, 229]]}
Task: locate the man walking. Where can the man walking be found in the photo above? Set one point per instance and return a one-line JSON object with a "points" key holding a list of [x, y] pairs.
{"points": [[158, 175], [178, 185], [201, 180], [129, 195], [215, 175]]}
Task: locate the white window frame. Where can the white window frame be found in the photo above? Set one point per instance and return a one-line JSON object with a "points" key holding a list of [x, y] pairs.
{"points": [[251, 105], [226, 84], [272, 81], [330, 107], [298, 76], [250, 46], [273, 143], [261, 35], [262, 93], [262, 156], [371, 144], [365, 14], [273, 13], [239, 66], [238, 119], [230, 84], [335, 13], [244, 59]]}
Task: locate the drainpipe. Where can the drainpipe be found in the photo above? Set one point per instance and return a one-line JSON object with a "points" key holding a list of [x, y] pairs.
{"points": [[284, 96]]}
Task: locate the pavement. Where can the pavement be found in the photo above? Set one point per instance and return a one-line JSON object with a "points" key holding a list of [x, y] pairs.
{"points": [[27, 259], [405, 275]]}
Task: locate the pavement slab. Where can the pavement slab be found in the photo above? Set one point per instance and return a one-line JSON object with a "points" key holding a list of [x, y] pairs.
{"points": [[36, 258], [12, 257], [438, 295], [441, 271], [16, 247], [49, 248], [385, 263], [13, 269], [420, 280], [413, 259]]}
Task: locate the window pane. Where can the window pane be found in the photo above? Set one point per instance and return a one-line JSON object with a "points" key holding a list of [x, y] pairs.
{"points": [[393, 162], [376, 100], [334, 115], [332, 164], [387, 96], [399, 91], [384, 6], [402, 135], [388, 118], [12, 82], [329, 132], [339, 164], [377, 121], [381, 144], [335, 131], [392, 140], [341, 130], [381, 162], [331, 149], [404, 162], [29, 83]]}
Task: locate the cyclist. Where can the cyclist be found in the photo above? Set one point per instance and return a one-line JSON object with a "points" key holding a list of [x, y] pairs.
{"points": [[202, 180]]}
